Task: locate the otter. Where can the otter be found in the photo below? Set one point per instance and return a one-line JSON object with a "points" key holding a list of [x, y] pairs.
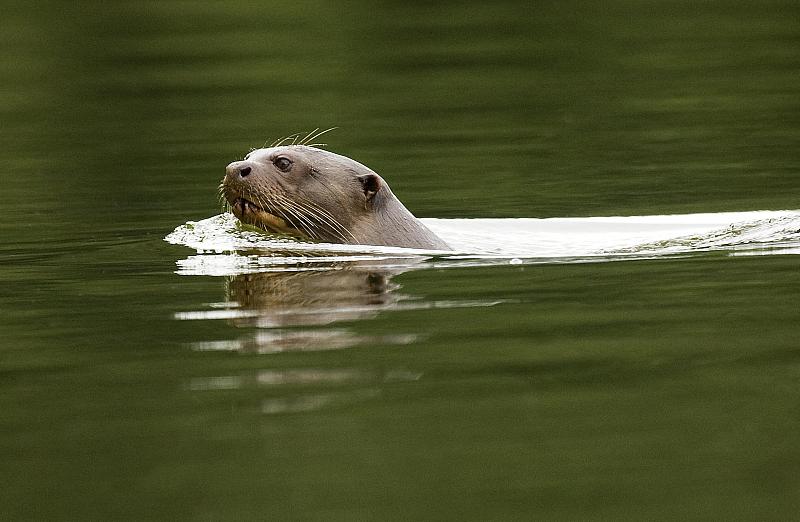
{"points": [[314, 194]]}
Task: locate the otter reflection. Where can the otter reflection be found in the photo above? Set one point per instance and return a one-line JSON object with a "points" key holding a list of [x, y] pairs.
{"points": [[294, 307], [312, 297]]}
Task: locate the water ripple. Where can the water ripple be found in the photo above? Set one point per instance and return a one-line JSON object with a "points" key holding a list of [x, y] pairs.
{"points": [[225, 248]]}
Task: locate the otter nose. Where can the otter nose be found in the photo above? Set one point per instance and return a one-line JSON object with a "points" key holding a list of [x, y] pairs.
{"points": [[238, 168]]}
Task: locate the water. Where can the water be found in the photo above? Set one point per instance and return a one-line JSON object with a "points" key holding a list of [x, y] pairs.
{"points": [[563, 363], [518, 240]]}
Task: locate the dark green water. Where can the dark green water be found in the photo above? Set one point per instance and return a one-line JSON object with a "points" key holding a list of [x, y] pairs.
{"points": [[660, 389]]}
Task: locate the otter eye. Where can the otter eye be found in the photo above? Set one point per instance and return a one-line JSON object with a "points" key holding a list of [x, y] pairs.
{"points": [[283, 164]]}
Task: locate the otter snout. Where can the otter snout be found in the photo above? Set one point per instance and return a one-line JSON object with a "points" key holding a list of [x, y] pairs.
{"points": [[238, 169]]}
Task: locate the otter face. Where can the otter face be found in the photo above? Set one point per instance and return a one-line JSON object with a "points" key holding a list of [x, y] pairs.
{"points": [[301, 191]]}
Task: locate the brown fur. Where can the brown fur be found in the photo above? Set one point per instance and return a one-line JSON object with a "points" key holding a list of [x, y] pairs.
{"points": [[321, 196]]}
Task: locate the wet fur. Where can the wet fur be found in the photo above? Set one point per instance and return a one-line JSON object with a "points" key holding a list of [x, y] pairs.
{"points": [[324, 197]]}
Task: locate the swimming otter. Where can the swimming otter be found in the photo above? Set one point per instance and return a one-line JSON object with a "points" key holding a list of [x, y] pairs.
{"points": [[315, 194]]}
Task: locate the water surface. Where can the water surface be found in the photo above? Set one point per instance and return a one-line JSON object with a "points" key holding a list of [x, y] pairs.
{"points": [[517, 379]]}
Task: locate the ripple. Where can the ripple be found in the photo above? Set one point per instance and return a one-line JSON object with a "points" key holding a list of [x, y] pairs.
{"points": [[275, 341], [225, 248]]}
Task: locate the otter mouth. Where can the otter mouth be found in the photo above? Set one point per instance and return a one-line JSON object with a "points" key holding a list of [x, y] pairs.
{"points": [[251, 214]]}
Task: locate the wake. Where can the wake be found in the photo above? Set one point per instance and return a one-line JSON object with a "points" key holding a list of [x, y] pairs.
{"points": [[225, 247]]}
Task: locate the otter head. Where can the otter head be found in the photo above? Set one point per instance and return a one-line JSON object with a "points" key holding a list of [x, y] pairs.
{"points": [[303, 191]]}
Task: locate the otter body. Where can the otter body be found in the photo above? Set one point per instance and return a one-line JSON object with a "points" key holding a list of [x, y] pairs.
{"points": [[315, 194]]}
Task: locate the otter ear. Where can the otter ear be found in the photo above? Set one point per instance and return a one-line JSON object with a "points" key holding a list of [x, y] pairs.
{"points": [[371, 185]]}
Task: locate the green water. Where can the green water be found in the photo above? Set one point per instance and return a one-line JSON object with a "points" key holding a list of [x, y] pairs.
{"points": [[661, 389]]}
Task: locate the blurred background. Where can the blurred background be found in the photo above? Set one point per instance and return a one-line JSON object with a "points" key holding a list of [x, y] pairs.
{"points": [[503, 110], [661, 389]]}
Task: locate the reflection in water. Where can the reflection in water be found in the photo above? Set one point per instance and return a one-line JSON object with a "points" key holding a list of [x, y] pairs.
{"points": [[295, 297], [292, 309], [302, 377], [360, 385], [275, 341], [311, 297], [303, 403], [292, 292]]}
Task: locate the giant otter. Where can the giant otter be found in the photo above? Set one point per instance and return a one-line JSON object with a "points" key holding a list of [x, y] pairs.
{"points": [[314, 194]]}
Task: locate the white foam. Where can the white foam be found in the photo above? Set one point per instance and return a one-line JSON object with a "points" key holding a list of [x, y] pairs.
{"points": [[225, 248]]}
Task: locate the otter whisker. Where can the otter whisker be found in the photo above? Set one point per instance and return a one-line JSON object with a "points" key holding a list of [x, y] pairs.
{"points": [[304, 140], [284, 208], [325, 218], [299, 139], [316, 210], [298, 221], [305, 213], [312, 136], [267, 205], [293, 137], [297, 212], [223, 202], [328, 219], [281, 141]]}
